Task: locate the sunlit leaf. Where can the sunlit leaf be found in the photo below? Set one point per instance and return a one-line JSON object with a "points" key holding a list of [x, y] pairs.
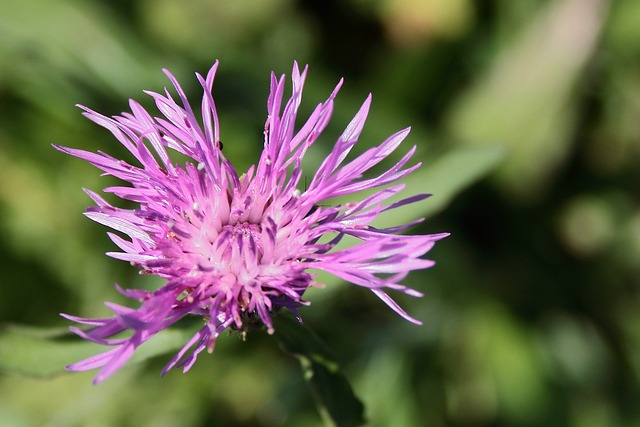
{"points": [[45, 352], [445, 177]]}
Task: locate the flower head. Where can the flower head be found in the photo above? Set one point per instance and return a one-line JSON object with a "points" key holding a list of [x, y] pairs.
{"points": [[233, 248]]}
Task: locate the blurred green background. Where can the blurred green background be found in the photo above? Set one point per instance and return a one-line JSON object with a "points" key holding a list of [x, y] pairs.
{"points": [[532, 314]]}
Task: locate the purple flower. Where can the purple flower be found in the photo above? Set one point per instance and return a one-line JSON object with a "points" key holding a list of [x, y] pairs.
{"points": [[234, 249]]}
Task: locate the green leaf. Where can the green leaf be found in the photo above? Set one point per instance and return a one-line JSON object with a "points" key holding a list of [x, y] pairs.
{"points": [[444, 177], [330, 387], [449, 174], [42, 353]]}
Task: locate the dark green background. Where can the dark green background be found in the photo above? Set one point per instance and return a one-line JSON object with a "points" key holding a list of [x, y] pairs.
{"points": [[532, 312]]}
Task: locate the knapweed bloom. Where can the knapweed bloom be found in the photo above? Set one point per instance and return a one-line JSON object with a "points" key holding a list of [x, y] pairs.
{"points": [[236, 248]]}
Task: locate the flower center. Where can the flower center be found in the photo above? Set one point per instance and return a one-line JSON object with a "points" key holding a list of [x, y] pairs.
{"points": [[245, 229], [239, 246], [242, 235]]}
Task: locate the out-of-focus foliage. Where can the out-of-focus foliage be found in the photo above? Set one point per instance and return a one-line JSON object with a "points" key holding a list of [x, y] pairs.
{"points": [[532, 315]]}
